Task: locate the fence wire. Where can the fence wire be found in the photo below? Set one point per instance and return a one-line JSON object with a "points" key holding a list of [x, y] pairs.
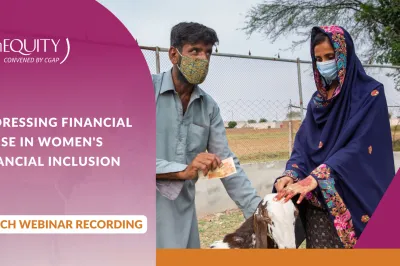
{"points": [[263, 100]]}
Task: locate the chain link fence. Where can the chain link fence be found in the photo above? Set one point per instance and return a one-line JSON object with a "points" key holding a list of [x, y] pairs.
{"points": [[263, 100]]}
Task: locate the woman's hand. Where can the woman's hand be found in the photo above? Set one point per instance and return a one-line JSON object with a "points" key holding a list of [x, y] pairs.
{"points": [[302, 187], [283, 182]]}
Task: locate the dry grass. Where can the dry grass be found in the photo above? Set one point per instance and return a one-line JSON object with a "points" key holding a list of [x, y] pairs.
{"points": [[214, 227], [263, 145], [259, 145]]}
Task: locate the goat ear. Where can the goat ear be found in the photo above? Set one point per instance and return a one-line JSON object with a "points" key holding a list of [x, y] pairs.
{"points": [[238, 239], [233, 238]]}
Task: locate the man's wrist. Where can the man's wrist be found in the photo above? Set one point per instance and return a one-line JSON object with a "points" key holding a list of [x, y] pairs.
{"points": [[181, 175]]}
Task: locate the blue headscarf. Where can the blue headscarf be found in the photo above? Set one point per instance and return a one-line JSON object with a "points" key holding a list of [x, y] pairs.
{"points": [[345, 142]]}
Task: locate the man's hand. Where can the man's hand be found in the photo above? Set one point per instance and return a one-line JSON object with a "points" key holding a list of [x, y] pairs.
{"points": [[283, 182], [204, 162]]}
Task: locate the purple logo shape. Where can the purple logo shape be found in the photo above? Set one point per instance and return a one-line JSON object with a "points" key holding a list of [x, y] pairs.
{"points": [[382, 230]]}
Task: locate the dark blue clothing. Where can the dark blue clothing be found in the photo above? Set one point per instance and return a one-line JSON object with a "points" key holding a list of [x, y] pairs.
{"points": [[345, 142]]}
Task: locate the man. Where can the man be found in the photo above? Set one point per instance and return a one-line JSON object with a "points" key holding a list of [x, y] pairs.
{"points": [[188, 124]]}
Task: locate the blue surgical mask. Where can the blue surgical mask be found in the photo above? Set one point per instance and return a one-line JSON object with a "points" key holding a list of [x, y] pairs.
{"points": [[328, 70]]}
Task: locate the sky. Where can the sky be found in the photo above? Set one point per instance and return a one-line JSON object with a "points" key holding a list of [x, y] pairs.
{"points": [[244, 89], [150, 21]]}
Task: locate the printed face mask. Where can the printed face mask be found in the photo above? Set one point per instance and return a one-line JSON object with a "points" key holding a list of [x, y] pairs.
{"points": [[328, 70], [193, 69]]}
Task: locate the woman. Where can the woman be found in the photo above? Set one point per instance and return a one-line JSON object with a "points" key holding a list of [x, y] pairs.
{"points": [[342, 161]]}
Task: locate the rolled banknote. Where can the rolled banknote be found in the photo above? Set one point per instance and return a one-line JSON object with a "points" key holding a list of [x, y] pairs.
{"points": [[228, 168]]}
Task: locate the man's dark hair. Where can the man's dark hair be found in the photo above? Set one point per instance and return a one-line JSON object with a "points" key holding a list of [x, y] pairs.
{"points": [[191, 33]]}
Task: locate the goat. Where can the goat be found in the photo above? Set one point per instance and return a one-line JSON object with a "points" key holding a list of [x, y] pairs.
{"points": [[271, 226]]}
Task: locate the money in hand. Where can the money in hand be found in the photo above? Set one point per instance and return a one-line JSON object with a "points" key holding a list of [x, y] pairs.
{"points": [[227, 169]]}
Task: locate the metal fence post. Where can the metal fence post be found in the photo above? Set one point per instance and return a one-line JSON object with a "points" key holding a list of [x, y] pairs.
{"points": [[290, 127], [158, 60], [300, 89]]}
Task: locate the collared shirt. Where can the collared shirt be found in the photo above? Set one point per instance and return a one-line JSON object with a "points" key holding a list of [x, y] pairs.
{"points": [[181, 137]]}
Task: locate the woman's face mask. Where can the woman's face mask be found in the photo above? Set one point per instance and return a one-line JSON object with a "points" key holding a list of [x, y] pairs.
{"points": [[328, 70], [193, 69]]}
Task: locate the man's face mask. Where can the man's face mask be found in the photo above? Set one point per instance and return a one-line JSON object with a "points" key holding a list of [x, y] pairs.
{"points": [[328, 70], [193, 69]]}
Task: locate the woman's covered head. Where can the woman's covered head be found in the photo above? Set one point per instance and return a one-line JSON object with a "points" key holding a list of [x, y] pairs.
{"points": [[323, 49], [329, 55], [325, 57]]}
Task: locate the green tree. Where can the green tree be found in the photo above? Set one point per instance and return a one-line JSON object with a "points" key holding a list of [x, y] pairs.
{"points": [[232, 124], [251, 121], [293, 115], [263, 120], [373, 24]]}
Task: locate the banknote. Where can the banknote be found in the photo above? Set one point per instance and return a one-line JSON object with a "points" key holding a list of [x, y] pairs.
{"points": [[227, 169]]}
